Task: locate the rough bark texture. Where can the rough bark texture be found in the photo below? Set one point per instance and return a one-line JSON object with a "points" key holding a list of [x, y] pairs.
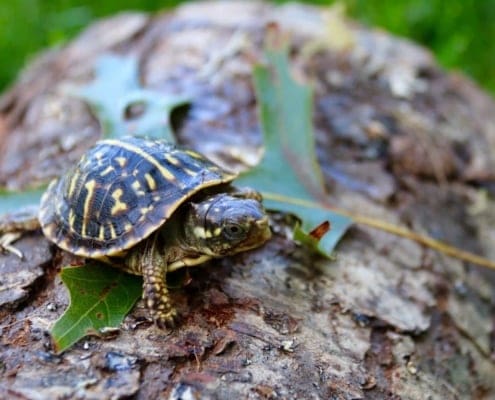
{"points": [[398, 139]]}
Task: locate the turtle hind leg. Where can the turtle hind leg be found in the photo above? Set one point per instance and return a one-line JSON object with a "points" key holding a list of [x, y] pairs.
{"points": [[155, 291]]}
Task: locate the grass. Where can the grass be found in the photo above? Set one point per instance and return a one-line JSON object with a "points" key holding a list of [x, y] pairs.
{"points": [[461, 33]]}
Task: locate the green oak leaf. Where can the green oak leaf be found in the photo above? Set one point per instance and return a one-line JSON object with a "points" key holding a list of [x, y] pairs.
{"points": [[116, 92], [11, 202], [101, 296], [289, 176]]}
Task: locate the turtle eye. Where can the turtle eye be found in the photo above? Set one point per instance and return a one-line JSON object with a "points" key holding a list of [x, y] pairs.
{"points": [[233, 231]]}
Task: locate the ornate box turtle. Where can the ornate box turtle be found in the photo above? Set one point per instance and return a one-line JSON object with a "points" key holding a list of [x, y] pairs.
{"points": [[149, 208]]}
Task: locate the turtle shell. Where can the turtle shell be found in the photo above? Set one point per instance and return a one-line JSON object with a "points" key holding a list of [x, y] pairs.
{"points": [[120, 192]]}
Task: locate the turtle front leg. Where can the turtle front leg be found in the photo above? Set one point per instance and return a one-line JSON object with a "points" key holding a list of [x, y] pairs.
{"points": [[155, 291], [13, 225], [6, 243]]}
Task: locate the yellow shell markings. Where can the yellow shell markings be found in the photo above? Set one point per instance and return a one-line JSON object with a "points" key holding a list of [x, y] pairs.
{"points": [[136, 186], [113, 234], [122, 161], [101, 233], [48, 226], [99, 155], [146, 210], [107, 170], [150, 181], [135, 149], [48, 230], [119, 205], [193, 154], [189, 172], [172, 160], [72, 218], [90, 187], [72, 183], [65, 244]]}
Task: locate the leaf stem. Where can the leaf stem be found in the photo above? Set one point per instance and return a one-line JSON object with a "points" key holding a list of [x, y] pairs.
{"points": [[391, 228]]}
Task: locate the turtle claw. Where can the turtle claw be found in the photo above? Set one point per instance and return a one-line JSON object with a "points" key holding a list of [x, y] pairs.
{"points": [[165, 320], [6, 241]]}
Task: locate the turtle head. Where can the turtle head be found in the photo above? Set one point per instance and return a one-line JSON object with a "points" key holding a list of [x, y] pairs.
{"points": [[224, 224]]}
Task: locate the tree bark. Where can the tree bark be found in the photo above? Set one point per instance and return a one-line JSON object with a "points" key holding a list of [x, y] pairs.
{"points": [[398, 139]]}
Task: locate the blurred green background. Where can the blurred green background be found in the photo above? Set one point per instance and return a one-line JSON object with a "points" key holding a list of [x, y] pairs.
{"points": [[460, 32]]}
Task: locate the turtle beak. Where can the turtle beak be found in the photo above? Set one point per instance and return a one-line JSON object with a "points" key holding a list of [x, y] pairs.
{"points": [[263, 226], [259, 233]]}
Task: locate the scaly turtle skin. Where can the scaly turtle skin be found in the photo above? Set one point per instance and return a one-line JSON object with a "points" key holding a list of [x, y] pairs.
{"points": [[149, 207]]}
